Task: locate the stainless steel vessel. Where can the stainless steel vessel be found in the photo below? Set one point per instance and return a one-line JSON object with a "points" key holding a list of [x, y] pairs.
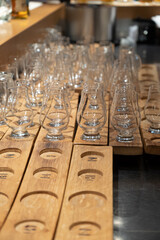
{"points": [[91, 22]]}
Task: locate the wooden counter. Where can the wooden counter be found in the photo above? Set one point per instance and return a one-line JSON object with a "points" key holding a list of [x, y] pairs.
{"points": [[14, 35]]}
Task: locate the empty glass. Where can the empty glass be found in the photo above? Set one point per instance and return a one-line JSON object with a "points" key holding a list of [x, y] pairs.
{"points": [[18, 114], [152, 109], [125, 113], [54, 120], [91, 119]]}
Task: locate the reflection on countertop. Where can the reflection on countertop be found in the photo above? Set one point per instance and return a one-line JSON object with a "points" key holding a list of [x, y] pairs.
{"points": [[136, 197], [137, 184]]}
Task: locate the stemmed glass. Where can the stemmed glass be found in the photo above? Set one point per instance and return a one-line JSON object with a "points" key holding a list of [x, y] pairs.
{"points": [[18, 113], [54, 120], [91, 119], [152, 109]]}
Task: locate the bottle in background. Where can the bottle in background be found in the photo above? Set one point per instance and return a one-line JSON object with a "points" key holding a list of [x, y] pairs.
{"points": [[20, 9], [5, 10]]}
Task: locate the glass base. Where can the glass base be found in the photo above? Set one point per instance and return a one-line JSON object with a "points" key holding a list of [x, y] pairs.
{"points": [[90, 137], [19, 135], [2, 123], [78, 84], [124, 139], [54, 137], [154, 130], [94, 106]]}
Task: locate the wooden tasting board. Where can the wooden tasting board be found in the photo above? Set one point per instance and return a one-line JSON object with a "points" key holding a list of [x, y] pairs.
{"points": [[148, 76], [87, 211], [35, 211]]}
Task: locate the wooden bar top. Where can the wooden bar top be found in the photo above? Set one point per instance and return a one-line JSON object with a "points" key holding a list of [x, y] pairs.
{"points": [[16, 26], [17, 33]]}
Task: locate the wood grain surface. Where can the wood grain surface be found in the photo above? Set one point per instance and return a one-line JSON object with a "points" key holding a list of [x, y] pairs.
{"points": [[87, 211], [35, 212]]}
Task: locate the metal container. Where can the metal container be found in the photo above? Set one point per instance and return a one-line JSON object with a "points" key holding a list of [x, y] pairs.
{"points": [[94, 22]]}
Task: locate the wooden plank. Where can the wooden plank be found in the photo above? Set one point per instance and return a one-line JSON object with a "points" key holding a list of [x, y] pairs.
{"points": [[148, 76], [151, 141], [3, 130], [103, 133], [87, 211], [69, 132], [35, 212], [13, 160]]}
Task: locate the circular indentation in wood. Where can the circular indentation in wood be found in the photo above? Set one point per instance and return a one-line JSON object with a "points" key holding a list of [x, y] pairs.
{"points": [[147, 75], [3, 199], [6, 173], [90, 175], [29, 226], [147, 80], [36, 199], [87, 199], [146, 67], [85, 229], [144, 96], [10, 153], [46, 173], [92, 156], [155, 140], [50, 153]]}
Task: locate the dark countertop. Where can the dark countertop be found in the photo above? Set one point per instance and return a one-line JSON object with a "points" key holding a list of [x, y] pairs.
{"points": [[136, 184], [136, 197]]}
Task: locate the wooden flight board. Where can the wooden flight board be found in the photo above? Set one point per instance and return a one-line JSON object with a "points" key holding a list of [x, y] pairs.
{"points": [[13, 160], [3, 130], [148, 76], [35, 212], [87, 211]]}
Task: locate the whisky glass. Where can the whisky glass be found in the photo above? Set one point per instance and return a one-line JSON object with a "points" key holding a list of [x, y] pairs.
{"points": [[91, 119], [18, 112], [54, 120], [125, 116]]}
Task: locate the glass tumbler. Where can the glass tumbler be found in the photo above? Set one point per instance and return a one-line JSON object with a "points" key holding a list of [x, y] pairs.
{"points": [[18, 114]]}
